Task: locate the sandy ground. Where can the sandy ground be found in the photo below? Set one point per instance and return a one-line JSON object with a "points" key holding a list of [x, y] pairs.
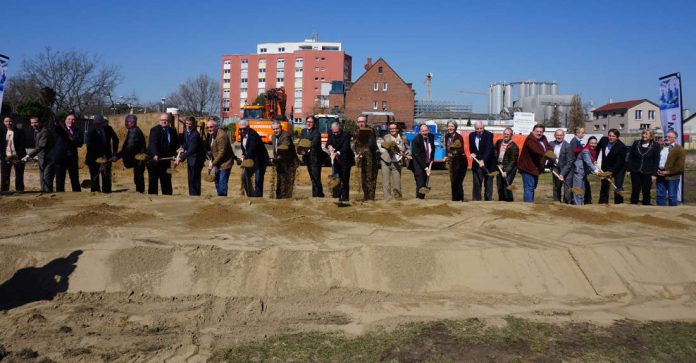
{"points": [[130, 277]]}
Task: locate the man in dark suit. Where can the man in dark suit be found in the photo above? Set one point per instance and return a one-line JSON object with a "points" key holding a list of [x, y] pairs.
{"points": [[423, 152], [613, 154], [339, 146], [252, 149], [163, 144], [132, 146], [313, 157], [564, 167], [194, 154], [102, 142], [68, 139], [12, 150], [481, 144], [368, 157], [284, 160], [43, 142]]}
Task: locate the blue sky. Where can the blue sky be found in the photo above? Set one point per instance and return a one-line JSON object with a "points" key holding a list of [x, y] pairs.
{"points": [[599, 49]]}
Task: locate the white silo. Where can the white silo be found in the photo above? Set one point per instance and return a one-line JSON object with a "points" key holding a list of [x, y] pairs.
{"points": [[490, 99], [523, 90], [533, 89], [508, 96], [497, 98], [543, 90], [554, 88]]}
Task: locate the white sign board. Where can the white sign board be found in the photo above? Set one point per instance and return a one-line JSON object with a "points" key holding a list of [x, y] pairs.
{"points": [[523, 122]]}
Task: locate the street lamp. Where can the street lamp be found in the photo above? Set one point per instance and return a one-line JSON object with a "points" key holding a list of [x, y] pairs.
{"points": [[163, 99]]}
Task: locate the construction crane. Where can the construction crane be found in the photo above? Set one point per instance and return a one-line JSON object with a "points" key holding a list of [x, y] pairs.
{"points": [[428, 81]]}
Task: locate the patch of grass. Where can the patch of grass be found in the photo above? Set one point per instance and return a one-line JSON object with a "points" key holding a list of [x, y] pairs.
{"points": [[473, 340]]}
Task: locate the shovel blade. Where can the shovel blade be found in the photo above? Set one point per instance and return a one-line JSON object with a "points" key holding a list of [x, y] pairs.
{"points": [[424, 190], [577, 191]]}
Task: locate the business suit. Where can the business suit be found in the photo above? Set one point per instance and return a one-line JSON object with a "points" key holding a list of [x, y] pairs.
{"points": [[484, 152], [64, 155], [421, 160], [222, 158], [133, 145], [391, 161], [368, 163], [254, 149], [101, 144], [615, 162], [285, 162], [565, 166], [584, 165], [342, 163], [194, 154], [313, 160], [458, 165], [643, 164], [19, 148], [43, 141], [163, 143], [508, 163]]}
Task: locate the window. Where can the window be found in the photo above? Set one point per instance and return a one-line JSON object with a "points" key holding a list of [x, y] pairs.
{"points": [[639, 114], [280, 79], [316, 78], [316, 69], [644, 126], [596, 127], [226, 93], [298, 70], [280, 63], [227, 71], [226, 102], [299, 61], [263, 50], [380, 70], [226, 109], [227, 80], [227, 63], [298, 93], [281, 49], [245, 63], [262, 70], [245, 73], [384, 105], [651, 115], [604, 115], [375, 87], [385, 86], [262, 80], [621, 126], [622, 114], [604, 127], [316, 58], [322, 58], [280, 72], [375, 105], [245, 80]]}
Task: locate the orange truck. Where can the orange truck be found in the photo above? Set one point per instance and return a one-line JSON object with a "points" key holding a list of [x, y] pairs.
{"points": [[261, 117]]}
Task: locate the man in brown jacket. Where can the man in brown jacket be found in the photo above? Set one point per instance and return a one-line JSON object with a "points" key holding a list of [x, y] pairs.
{"points": [[670, 169], [222, 156], [532, 160]]}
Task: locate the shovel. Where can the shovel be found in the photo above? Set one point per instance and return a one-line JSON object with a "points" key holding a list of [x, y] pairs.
{"points": [[508, 186], [334, 179], [173, 169], [488, 173], [608, 176], [426, 188]]}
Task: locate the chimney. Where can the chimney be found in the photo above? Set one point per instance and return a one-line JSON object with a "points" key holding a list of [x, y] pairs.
{"points": [[369, 63]]}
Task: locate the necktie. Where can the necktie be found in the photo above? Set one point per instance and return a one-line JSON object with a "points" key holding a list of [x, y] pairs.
{"points": [[427, 150], [168, 136], [71, 132]]}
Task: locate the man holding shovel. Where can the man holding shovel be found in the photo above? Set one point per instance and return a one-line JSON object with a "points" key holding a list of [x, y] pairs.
{"points": [[285, 161], [133, 152], [532, 160], [367, 159], [343, 159], [194, 154], [507, 152], [102, 148], [564, 167], [456, 161], [162, 147], [612, 151], [481, 145], [222, 156], [423, 151]]}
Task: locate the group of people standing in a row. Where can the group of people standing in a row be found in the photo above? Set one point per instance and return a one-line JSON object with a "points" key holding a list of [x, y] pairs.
{"points": [[55, 150]]}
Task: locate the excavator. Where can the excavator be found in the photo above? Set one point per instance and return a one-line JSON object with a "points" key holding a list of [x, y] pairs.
{"points": [[260, 117]]}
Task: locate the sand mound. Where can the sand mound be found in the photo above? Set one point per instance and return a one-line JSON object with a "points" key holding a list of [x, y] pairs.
{"points": [[11, 205], [104, 214], [217, 215]]}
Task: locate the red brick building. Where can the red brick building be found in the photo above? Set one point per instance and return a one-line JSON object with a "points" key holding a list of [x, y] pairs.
{"points": [[300, 68], [380, 88]]}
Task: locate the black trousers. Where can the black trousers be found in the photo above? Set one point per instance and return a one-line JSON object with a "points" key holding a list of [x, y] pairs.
{"points": [[157, 174], [481, 178], [421, 181], [258, 173], [588, 191], [46, 184], [139, 177], [314, 171], [342, 192], [605, 188], [95, 173], [640, 184], [457, 182], [560, 188], [194, 178], [68, 165], [505, 195], [5, 177]]}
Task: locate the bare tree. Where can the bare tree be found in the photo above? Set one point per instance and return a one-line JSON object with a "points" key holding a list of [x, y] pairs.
{"points": [[576, 114], [198, 96], [80, 81]]}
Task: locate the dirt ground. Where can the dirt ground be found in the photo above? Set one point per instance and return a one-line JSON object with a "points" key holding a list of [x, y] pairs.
{"points": [[128, 277]]}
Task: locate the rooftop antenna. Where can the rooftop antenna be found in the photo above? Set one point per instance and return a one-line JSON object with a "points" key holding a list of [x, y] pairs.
{"points": [[315, 36]]}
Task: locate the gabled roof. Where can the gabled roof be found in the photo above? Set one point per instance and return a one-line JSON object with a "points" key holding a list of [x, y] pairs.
{"points": [[625, 105], [388, 66], [690, 118]]}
